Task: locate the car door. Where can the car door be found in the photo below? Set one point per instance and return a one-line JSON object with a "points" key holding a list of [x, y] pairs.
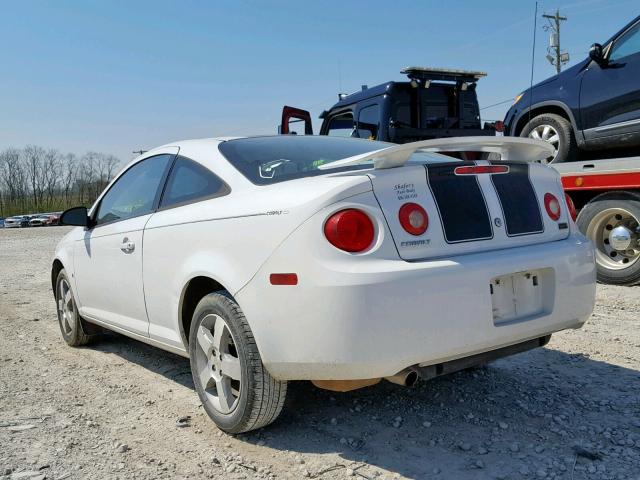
{"points": [[174, 227], [108, 259], [610, 92]]}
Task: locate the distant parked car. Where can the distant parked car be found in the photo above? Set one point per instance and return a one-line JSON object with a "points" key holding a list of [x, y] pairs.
{"points": [[593, 105], [16, 222], [39, 220], [54, 219]]}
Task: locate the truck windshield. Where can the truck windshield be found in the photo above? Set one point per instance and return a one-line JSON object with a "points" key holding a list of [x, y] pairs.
{"points": [[267, 160]]}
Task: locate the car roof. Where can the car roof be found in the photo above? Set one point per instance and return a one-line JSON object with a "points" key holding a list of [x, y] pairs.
{"points": [[211, 141], [205, 151], [201, 150], [365, 94]]}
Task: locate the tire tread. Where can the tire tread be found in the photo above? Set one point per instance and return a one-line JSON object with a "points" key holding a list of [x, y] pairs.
{"points": [[267, 395], [566, 131]]}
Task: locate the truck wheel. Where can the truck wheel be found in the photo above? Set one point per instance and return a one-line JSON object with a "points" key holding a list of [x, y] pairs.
{"points": [[555, 130], [613, 225], [236, 390]]}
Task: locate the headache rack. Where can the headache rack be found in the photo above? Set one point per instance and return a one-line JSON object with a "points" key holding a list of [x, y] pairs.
{"points": [[442, 74]]}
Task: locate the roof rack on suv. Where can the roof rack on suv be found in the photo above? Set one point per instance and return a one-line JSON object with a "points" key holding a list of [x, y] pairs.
{"points": [[443, 74]]}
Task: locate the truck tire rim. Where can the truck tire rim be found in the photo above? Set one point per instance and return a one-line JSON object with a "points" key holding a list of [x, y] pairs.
{"points": [[615, 232], [66, 307], [548, 134], [218, 364]]}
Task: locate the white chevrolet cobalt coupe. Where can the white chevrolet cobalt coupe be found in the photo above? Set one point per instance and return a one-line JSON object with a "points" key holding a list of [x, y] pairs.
{"points": [[340, 261]]}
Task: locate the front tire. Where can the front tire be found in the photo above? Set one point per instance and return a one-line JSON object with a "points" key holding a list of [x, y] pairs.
{"points": [[69, 319], [613, 225], [555, 130], [236, 390]]}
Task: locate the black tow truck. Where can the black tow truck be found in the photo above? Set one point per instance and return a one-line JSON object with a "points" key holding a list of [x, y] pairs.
{"points": [[433, 103]]}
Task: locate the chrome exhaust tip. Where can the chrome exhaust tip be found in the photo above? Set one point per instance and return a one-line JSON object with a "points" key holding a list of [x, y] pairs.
{"points": [[406, 378]]}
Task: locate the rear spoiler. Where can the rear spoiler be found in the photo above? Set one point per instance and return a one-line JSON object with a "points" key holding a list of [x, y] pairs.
{"points": [[513, 149]]}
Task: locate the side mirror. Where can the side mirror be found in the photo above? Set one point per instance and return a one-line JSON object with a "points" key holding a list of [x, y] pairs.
{"points": [[76, 216], [596, 54]]}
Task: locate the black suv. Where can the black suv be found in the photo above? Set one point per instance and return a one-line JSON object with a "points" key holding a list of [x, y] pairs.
{"points": [[593, 105], [433, 103]]}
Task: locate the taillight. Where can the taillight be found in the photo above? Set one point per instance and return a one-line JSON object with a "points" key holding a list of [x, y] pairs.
{"points": [[481, 169], [350, 230], [571, 207], [413, 218], [552, 206]]}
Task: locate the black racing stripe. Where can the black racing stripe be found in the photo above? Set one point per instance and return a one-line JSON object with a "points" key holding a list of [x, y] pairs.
{"points": [[518, 201], [463, 210]]}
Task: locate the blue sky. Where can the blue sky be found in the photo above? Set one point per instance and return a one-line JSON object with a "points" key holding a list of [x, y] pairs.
{"points": [[116, 76]]}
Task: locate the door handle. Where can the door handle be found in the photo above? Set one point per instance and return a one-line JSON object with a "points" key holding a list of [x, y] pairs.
{"points": [[127, 246]]}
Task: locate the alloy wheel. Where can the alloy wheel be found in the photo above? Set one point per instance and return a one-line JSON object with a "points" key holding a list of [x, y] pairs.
{"points": [[66, 307], [218, 364], [548, 134]]}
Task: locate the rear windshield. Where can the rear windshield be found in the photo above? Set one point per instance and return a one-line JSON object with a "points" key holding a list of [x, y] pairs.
{"points": [[267, 160]]}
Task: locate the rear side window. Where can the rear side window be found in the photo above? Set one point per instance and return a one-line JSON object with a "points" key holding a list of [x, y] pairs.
{"points": [[401, 103], [267, 160], [191, 182], [402, 115], [368, 122]]}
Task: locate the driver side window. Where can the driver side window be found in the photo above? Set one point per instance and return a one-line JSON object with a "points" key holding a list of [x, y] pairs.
{"points": [[134, 193], [341, 125], [627, 44]]}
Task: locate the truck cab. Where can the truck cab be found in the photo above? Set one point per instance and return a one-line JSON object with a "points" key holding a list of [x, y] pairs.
{"points": [[433, 103]]}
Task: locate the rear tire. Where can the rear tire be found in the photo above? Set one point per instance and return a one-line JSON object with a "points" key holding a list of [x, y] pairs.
{"points": [[597, 221], [70, 321], [555, 130], [236, 390]]}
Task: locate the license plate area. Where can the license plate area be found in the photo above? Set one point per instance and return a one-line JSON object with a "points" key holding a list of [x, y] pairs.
{"points": [[522, 295]]}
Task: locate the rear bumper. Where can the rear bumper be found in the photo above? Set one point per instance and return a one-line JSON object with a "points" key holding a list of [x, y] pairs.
{"points": [[374, 318], [432, 371]]}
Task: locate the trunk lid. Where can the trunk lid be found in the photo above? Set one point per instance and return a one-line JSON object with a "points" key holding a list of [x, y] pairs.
{"points": [[471, 213]]}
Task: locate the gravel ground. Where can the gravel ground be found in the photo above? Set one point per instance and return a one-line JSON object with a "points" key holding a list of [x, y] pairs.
{"points": [[110, 410]]}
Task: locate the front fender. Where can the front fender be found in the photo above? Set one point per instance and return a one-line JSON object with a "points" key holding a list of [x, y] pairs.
{"points": [[63, 257], [539, 108]]}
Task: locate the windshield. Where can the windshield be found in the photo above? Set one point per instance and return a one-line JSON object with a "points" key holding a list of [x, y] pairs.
{"points": [[268, 160]]}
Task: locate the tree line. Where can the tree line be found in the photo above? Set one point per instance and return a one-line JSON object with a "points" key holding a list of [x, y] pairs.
{"points": [[35, 179]]}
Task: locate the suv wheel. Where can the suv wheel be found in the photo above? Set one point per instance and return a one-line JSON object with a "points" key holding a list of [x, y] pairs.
{"points": [[236, 390], [555, 130]]}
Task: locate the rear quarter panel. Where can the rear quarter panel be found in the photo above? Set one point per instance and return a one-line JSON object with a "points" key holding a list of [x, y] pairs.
{"points": [[226, 239]]}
